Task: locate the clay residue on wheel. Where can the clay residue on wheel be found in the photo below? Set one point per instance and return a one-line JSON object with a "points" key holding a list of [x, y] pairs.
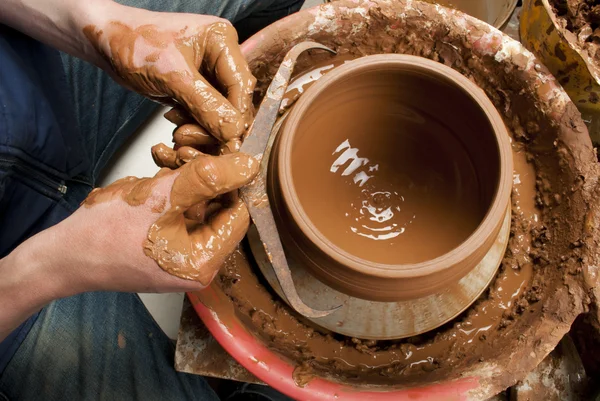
{"points": [[552, 144], [580, 21], [466, 340]]}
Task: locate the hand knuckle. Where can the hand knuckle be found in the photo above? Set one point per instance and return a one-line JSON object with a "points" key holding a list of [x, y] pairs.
{"points": [[208, 172]]}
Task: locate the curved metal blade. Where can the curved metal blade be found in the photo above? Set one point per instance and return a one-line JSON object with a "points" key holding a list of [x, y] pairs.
{"points": [[255, 194]]}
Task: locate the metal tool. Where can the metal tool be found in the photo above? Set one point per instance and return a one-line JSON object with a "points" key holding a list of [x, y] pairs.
{"points": [[255, 194]]}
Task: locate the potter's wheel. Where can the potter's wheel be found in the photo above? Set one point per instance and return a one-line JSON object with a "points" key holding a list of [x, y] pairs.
{"points": [[386, 320], [367, 319], [536, 295]]}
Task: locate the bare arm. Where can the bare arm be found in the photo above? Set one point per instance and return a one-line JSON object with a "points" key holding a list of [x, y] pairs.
{"points": [[59, 23], [25, 285], [168, 233]]}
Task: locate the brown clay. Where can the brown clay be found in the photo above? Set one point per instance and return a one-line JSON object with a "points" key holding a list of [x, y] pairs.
{"points": [[531, 309], [395, 180], [135, 191], [192, 135], [180, 240], [164, 65], [580, 20], [195, 250]]}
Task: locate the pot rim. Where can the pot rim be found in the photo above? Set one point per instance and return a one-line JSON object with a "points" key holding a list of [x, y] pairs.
{"points": [[471, 244]]}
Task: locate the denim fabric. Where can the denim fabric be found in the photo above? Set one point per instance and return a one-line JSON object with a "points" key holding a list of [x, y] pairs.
{"points": [[98, 346], [106, 346]]}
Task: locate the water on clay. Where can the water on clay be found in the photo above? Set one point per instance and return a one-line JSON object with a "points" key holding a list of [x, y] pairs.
{"points": [[376, 360], [401, 186]]}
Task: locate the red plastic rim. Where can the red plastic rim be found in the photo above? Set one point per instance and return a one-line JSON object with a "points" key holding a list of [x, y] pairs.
{"points": [[278, 373]]}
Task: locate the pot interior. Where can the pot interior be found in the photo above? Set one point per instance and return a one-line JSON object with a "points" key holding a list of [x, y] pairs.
{"points": [[393, 163]]}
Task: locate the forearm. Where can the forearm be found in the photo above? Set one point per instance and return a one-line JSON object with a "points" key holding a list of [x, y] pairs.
{"points": [[60, 23], [26, 284]]}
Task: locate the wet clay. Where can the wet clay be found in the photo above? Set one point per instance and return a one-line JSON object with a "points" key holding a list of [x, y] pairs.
{"points": [[195, 250], [380, 166], [164, 65], [537, 292], [373, 179], [180, 240], [478, 8], [383, 362], [135, 191], [580, 21], [494, 12]]}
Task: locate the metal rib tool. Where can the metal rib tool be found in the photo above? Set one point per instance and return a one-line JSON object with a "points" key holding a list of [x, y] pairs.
{"points": [[255, 194]]}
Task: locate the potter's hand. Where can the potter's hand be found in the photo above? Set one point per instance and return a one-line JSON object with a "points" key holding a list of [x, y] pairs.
{"points": [[180, 219], [175, 59]]}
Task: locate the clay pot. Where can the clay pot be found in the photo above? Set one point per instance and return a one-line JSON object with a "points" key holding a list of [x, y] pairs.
{"points": [[391, 178]]}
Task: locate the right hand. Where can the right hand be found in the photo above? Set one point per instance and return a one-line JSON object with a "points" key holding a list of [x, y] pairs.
{"points": [[176, 58]]}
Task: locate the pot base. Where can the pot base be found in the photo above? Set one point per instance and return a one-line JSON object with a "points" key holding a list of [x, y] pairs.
{"points": [[372, 320]]}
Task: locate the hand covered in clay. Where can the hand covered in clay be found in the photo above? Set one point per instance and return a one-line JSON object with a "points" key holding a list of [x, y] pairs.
{"points": [[176, 59], [184, 220]]}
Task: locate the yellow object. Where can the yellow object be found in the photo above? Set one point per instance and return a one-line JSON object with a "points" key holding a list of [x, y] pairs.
{"points": [[560, 52]]}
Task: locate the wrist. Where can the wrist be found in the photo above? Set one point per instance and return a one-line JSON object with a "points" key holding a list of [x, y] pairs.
{"points": [[30, 266], [89, 19], [26, 283]]}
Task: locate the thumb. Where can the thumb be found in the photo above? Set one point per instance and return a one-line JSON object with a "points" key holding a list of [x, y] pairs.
{"points": [[208, 107], [207, 177], [218, 238]]}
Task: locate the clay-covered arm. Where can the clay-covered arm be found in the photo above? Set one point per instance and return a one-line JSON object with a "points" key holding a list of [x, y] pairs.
{"points": [[168, 233], [169, 57]]}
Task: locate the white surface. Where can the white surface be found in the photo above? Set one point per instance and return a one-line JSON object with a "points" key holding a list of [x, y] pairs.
{"points": [[166, 310], [312, 3], [135, 159]]}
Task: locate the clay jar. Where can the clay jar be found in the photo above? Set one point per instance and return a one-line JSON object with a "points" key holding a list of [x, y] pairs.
{"points": [[390, 178]]}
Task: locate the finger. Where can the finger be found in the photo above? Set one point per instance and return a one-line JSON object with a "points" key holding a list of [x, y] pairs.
{"points": [[205, 209], [208, 107], [197, 212], [209, 176], [217, 239], [192, 135], [232, 146], [164, 156], [224, 60], [163, 172], [212, 209], [186, 154], [178, 116]]}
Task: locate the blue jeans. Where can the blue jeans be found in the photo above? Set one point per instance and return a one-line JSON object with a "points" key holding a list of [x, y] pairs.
{"points": [[106, 346]]}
